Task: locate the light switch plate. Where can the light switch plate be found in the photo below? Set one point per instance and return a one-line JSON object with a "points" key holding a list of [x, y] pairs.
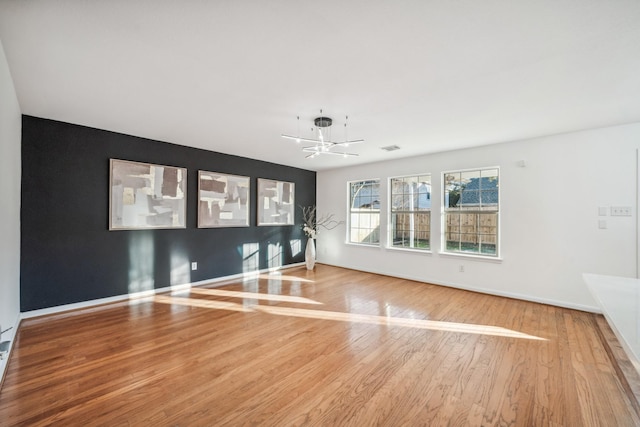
{"points": [[620, 211]]}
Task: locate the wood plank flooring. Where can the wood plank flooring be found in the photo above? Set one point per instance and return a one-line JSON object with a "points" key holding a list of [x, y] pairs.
{"points": [[328, 347]]}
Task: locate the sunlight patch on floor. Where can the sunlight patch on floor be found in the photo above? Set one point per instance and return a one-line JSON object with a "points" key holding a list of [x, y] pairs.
{"points": [[252, 295], [435, 325], [194, 302], [397, 321], [274, 276]]}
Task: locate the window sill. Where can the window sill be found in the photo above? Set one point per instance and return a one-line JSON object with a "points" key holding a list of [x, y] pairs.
{"points": [[485, 258], [363, 245], [417, 251]]}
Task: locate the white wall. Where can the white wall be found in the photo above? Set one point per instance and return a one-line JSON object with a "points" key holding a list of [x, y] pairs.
{"points": [[549, 216], [10, 134]]}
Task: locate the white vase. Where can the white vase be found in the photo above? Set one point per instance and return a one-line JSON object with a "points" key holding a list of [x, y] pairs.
{"points": [[310, 254]]}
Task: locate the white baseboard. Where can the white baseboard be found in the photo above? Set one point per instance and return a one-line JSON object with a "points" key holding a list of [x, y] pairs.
{"points": [[146, 294], [220, 280], [8, 336], [523, 297]]}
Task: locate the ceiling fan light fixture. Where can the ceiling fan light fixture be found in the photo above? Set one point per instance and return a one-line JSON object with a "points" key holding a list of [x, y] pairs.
{"points": [[324, 143]]}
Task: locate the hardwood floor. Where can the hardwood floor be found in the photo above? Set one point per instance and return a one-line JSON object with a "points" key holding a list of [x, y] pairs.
{"points": [[327, 347]]}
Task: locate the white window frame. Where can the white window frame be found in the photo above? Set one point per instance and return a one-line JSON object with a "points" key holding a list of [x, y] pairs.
{"points": [[480, 210], [411, 211], [351, 211]]}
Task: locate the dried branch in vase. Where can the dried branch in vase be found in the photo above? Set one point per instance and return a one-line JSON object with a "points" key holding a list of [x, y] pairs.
{"points": [[312, 222]]}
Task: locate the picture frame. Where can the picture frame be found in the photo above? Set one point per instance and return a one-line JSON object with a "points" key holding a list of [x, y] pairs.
{"points": [[276, 202], [223, 200], [146, 196]]}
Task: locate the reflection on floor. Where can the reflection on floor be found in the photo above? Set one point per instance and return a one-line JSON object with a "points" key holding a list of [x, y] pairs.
{"points": [[327, 347]]}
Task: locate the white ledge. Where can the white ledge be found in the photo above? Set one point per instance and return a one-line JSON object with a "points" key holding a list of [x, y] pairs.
{"points": [[619, 300], [412, 250], [493, 259]]}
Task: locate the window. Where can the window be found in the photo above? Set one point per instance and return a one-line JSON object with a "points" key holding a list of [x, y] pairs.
{"points": [[364, 212], [410, 212], [471, 209]]}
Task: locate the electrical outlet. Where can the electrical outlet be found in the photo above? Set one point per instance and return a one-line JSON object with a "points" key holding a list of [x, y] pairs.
{"points": [[461, 269], [194, 266]]}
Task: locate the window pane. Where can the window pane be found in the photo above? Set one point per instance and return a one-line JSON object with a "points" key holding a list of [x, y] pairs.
{"points": [[423, 193], [471, 211], [396, 193], [374, 235], [469, 242], [355, 220], [453, 188], [467, 176], [490, 174], [411, 181], [488, 245], [489, 198], [365, 194], [453, 241], [470, 197], [364, 217], [488, 223], [410, 195], [406, 202], [422, 225]]}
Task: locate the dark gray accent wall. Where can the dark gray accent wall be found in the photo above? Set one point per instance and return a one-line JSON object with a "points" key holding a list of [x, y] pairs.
{"points": [[68, 255]]}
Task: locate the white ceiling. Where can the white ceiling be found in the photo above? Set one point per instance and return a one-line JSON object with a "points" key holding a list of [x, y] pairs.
{"points": [[231, 76]]}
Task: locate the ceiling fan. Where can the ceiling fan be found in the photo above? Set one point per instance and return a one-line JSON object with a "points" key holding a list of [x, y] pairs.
{"points": [[324, 144]]}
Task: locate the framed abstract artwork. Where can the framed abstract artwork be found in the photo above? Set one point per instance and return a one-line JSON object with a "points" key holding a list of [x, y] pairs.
{"points": [[223, 200], [146, 196], [276, 201]]}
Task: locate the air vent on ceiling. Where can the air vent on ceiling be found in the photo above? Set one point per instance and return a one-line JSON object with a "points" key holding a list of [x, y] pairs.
{"points": [[390, 148]]}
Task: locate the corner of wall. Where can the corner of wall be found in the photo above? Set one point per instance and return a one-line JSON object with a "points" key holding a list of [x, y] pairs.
{"points": [[10, 177]]}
